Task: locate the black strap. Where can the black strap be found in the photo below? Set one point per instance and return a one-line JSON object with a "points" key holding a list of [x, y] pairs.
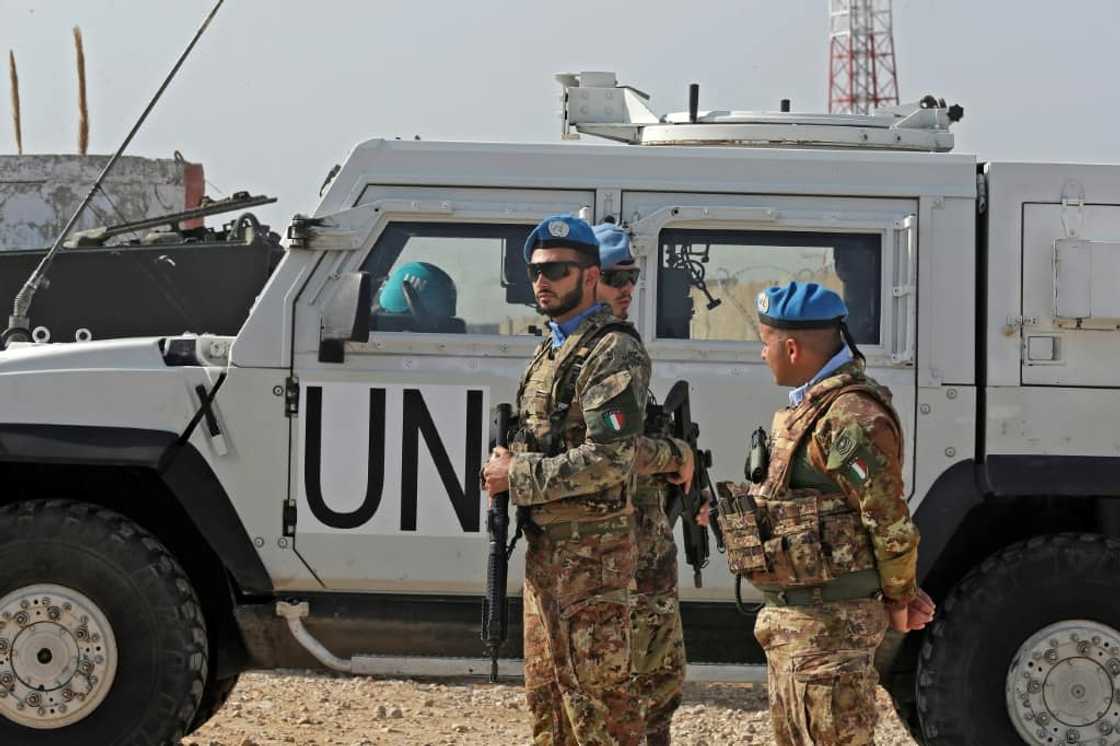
{"points": [[849, 340]]}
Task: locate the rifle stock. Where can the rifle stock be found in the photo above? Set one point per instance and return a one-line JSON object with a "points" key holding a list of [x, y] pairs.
{"points": [[495, 607]]}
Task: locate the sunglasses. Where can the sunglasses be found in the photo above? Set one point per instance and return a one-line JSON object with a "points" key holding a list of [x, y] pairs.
{"points": [[552, 270], [620, 278]]}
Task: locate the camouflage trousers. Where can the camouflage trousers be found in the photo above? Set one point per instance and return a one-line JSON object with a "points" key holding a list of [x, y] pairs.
{"points": [[659, 657], [577, 630], [820, 670]]}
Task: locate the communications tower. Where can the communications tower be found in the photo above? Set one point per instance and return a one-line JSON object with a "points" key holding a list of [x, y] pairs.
{"points": [[861, 68]]}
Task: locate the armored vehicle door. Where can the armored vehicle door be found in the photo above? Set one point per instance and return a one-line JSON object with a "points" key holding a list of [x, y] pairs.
{"points": [[704, 259], [392, 432], [1071, 307]]}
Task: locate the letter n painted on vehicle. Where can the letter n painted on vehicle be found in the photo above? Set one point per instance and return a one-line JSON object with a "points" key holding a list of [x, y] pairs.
{"points": [[465, 498]]}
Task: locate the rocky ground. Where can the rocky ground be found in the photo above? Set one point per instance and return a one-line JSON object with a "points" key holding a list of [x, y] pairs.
{"points": [[268, 709]]}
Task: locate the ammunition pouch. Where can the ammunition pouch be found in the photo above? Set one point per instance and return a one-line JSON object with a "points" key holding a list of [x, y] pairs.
{"points": [[738, 517], [805, 539]]}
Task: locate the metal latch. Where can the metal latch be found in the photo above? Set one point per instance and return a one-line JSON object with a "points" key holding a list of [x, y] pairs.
{"points": [[291, 396], [1073, 207], [1015, 323]]}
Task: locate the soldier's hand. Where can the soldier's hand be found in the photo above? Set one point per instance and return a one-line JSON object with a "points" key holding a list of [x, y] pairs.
{"points": [[703, 518], [683, 476], [912, 615], [495, 475], [920, 610]]}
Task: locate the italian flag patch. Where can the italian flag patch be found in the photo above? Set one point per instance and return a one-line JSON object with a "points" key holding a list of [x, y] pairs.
{"points": [[615, 420], [859, 468]]}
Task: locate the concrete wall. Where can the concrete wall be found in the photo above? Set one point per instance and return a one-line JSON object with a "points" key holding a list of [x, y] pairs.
{"points": [[39, 193]]}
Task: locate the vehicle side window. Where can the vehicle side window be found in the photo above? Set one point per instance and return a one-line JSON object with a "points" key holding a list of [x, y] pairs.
{"points": [[450, 278], [708, 280]]}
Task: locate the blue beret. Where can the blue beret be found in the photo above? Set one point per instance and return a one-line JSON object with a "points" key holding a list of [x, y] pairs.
{"points": [[614, 245], [563, 232], [800, 306], [434, 288]]}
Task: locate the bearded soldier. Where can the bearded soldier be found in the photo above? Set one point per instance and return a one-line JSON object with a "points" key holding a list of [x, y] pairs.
{"points": [[659, 656], [581, 403], [833, 550]]}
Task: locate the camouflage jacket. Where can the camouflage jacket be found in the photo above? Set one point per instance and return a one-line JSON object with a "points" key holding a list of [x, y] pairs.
{"points": [[594, 476], [836, 473], [856, 446]]}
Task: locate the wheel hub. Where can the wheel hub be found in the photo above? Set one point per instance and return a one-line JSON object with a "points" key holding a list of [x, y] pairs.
{"points": [[58, 656], [1063, 685]]}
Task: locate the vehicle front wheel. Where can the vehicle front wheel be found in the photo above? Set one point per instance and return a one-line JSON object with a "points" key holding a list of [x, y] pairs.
{"points": [[102, 640], [1027, 649], [214, 699]]}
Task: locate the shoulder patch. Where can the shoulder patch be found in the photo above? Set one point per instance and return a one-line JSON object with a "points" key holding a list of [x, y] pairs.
{"points": [[845, 445], [615, 419], [853, 455]]}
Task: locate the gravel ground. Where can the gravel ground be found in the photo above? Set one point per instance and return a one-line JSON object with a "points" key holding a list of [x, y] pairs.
{"points": [[269, 709]]}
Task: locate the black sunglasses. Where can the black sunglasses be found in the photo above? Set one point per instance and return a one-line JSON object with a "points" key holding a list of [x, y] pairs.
{"points": [[552, 270], [620, 278]]}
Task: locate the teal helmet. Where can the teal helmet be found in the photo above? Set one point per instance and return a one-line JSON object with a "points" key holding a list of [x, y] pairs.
{"points": [[430, 285]]}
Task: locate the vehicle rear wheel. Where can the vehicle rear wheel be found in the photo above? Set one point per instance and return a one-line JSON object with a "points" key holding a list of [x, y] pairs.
{"points": [[1027, 649], [102, 640]]}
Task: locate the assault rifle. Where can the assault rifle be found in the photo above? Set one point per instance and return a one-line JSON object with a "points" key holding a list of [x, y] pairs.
{"points": [[495, 608], [688, 502]]}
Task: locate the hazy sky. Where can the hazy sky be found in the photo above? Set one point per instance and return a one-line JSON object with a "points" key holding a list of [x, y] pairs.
{"points": [[278, 91]]}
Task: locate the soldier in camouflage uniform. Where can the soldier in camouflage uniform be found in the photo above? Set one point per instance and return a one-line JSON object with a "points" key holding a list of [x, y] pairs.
{"points": [[659, 655], [833, 550], [581, 403]]}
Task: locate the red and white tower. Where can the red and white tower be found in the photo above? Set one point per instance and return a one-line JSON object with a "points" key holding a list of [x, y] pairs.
{"points": [[861, 68]]}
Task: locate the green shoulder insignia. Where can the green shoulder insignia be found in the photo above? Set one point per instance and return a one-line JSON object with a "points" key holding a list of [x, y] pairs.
{"points": [[852, 454], [611, 413]]}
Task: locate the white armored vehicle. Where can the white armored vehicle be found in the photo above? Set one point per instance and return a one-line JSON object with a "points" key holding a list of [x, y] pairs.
{"points": [[176, 510]]}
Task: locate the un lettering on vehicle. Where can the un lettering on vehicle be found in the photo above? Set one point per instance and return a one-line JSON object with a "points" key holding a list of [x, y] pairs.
{"points": [[391, 459]]}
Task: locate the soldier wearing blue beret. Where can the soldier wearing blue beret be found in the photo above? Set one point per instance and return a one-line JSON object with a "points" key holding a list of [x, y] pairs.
{"points": [[834, 581], [659, 654], [581, 404]]}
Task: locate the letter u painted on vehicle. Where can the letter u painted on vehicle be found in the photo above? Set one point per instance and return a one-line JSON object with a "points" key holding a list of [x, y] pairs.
{"points": [[416, 421], [375, 480]]}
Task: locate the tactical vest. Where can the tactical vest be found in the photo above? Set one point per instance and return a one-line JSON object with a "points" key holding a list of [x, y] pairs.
{"points": [[780, 537], [549, 420]]}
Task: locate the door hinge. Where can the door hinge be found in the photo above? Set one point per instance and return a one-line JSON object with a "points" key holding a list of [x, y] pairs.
{"points": [[291, 396], [981, 193], [289, 518]]}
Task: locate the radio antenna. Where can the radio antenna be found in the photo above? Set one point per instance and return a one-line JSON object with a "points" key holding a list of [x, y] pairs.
{"points": [[19, 323]]}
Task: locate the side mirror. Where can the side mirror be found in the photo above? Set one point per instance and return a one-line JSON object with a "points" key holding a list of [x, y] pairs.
{"points": [[346, 317]]}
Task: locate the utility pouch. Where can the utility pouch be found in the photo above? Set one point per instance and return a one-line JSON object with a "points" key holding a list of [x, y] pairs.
{"points": [[739, 521], [846, 546], [792, 546], [794, 515]]}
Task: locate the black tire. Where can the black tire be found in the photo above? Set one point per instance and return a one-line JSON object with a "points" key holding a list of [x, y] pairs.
{"points": [[214, 698], [992, 612], [149, 604]]}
